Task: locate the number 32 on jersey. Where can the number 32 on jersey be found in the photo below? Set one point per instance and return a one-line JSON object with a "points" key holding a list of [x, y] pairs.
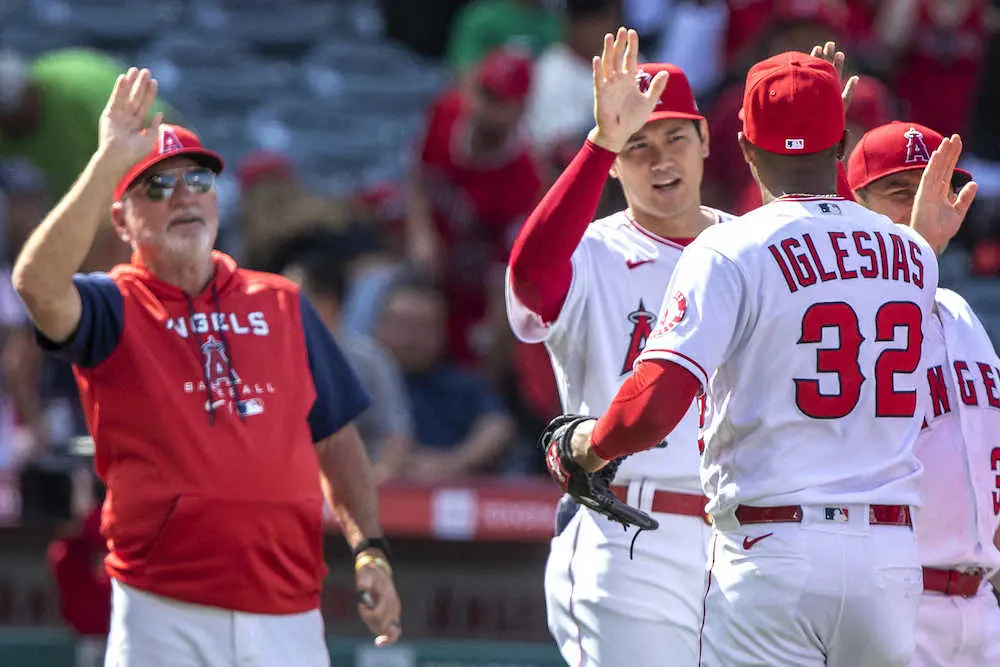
{"points": [[843, 360]]}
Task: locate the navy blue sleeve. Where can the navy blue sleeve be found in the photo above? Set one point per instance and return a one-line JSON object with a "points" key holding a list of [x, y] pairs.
{"points": [[101, 322], [340, 398]]}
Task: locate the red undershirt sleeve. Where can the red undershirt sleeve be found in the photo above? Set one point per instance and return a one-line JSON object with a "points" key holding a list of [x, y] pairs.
{"points": [[648, 406], [540, 262]]}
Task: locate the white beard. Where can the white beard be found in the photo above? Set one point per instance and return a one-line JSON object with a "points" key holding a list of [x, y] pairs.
{"points": [[193, 243], [177, 246]]}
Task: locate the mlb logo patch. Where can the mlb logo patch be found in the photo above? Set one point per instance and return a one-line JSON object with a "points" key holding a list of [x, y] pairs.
{"points": [[251, 407], [795, 144], [838, 514], [829, 209]]}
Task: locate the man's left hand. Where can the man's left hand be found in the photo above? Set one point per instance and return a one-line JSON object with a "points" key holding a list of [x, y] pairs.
{"points": [[379, 607], [937, 212]]}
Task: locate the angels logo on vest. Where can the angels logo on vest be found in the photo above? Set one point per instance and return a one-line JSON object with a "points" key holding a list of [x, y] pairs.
{"points": [[218, 368], [916, 149], [169, 141], [642, 325]]}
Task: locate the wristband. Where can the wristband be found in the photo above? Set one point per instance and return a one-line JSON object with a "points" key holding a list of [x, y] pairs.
{"points": [[379, 543], [368, 559]]}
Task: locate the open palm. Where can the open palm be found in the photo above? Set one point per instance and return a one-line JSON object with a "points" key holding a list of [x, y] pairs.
{"points": [[123, 130], [937, 213], [621, 104], [830, 54]]}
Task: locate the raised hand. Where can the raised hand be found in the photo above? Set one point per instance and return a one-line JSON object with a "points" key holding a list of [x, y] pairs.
{"points": [[830, 54], [621, 107], [123, 131], [937, 213]]}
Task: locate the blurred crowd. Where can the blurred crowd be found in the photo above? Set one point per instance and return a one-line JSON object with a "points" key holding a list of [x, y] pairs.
{"points": [[409, 274]]}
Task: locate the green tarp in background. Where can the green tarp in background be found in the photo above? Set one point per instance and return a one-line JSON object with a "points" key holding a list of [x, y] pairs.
{"points": [[30, 647]]}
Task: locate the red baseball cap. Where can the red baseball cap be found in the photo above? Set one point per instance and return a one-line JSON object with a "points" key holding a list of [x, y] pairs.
{"points": [[892, 148], [792, 105], [677, 100], [506, 73], [263, 164], [173, 140]]}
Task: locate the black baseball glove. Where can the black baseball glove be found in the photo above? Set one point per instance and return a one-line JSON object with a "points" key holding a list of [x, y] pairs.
{"points": [[589, 489]]}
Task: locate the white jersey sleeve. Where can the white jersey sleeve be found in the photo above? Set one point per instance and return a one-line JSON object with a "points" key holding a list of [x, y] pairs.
{"points": [[528, 325], [703, 315]]}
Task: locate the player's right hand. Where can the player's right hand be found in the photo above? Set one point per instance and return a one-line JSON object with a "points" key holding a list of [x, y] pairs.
{"points": [[621, 107], [830, 54], [124, 135]]}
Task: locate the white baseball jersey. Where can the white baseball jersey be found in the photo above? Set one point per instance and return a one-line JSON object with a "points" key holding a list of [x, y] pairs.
{"points": [[620, 274], [803, 319], [960, 446]]}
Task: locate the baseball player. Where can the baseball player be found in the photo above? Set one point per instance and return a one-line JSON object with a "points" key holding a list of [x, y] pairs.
{"points": [[958, 624], [216, 398], [802, 321], [590, 291]]}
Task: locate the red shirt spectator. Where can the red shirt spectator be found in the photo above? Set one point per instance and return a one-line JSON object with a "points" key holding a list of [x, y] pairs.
{"points": [[480, 181], [940, 55], [750, 20], [747, 20], [859, 27], [77, 565]]}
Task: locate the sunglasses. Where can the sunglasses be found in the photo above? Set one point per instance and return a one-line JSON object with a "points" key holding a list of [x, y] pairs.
{"points": [[160, 187]]}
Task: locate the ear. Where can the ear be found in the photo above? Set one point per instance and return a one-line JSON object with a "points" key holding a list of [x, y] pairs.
{"points": [[703, 129], [842, 145], [118, 222], [614, 169], [746, 147]]}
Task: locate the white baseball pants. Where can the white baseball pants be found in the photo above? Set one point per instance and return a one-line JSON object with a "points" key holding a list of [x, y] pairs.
{"points": [[832, 591], [605, 610], [953, 631], [152, 631]]}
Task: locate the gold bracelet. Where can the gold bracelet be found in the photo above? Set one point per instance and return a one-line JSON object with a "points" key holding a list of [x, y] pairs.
{"points": [[367, 559]]}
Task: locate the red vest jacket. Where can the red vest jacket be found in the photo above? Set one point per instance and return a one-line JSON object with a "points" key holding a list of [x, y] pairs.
{"points": [[204, 413]]}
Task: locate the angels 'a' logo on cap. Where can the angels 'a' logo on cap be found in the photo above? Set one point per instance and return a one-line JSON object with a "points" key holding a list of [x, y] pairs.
{"points": [[645, 80], [169, 141], [916, 149]]}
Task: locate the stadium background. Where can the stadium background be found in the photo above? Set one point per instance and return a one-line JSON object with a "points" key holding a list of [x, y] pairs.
{"points": [[324, 110]]}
